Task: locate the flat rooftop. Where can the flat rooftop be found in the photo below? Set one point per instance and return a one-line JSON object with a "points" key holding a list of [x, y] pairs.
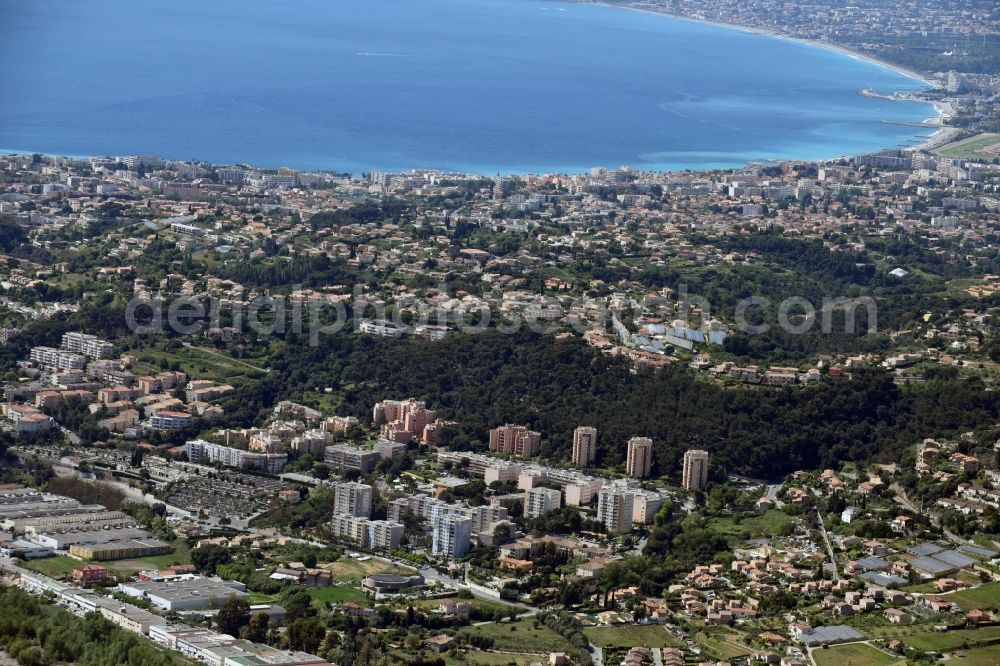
{"points": [[188, 588], [833, 634], [128, 544], [87, 537]]}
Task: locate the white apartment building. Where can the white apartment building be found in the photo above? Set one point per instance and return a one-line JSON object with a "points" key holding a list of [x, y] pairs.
{"points": [[168, 420], [645, 504], [483, 517], [342, 456], [88, 345], [352, 498], [349, 528], [134, 162], [384, 329], [272, 463], [540, 501], [491, 469], [451, 536], [580, 489], [57, 359], [614, 510], [431, 509], [384, 535]]}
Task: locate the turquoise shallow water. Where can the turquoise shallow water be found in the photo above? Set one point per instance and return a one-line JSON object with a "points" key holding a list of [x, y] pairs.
{"points": [[481, 85]]}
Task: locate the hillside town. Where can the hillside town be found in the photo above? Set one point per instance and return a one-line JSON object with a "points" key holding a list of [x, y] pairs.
{"points": [[266, 416], [463, 542], [622, 258]]}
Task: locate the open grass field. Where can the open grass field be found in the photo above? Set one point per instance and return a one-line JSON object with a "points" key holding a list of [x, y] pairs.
{"points": [[972, 148], [944, 641], [854, 654], [197, 363], [987, 656], [469, 657], [60, 566], [326, 403], [351, 570], [968, 578], [630, 636], [983, 597], [521, 636], [722, 644], [479, 658], [769, 524], [261, 598], [991, 541], [55, 567], [337, 595]]}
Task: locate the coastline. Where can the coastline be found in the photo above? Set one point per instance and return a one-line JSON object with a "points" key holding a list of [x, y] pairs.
{"points": [[829, 46], [943, 109], [939, 133]]}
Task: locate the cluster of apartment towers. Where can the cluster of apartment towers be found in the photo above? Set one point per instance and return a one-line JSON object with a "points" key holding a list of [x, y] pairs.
{"points": [[402, 420], [452, 526], [519, 441]]}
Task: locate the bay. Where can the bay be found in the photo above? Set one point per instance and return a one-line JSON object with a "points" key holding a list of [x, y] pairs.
{"points": [[477, 85]]}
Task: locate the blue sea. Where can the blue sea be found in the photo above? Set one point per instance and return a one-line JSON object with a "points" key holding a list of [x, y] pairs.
{"points": [[481, 85]]}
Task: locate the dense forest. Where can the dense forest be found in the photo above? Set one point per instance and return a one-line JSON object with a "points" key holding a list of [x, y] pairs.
{"points": [[555, 385], [14, 242], [390, 210], [12, 236], [783, 268]]}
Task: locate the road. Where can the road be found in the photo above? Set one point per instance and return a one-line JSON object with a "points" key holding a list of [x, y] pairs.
{"points": [[829, 548], [73, 438], [900, 496], [7, 564]]}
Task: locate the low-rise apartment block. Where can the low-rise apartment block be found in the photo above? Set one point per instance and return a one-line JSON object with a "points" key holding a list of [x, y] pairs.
{"points": [[342, 456], [88, 345], [272, 463], [382, 535], [57, 359]]}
